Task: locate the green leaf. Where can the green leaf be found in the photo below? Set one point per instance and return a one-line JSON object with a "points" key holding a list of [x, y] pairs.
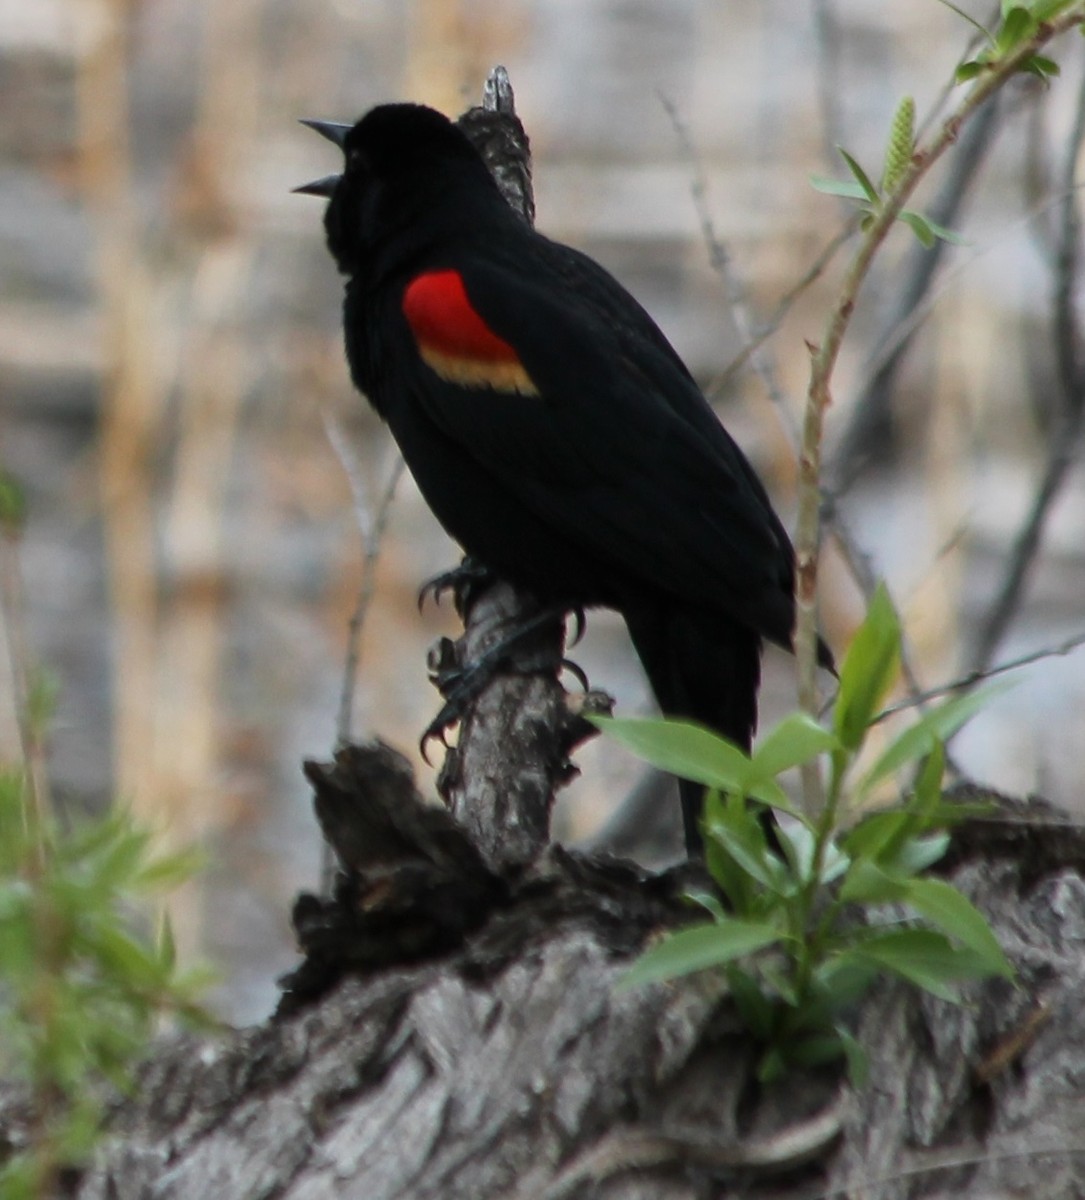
{"points": [[698, 948], [12, 506], [874, 832], [1044, 10], [41, 702], [772, 1066], [838, 187], [691, 751], [943, 905], [928, 784], [870, 666], [167, 945], [969, 70], [868, 883], [857, 1058], [929, 231], [844, 979], [739, 834], [168, 870], [956, 812], [933, 228], [797, 739], [797, 842], [1018, 26], [861, 177], [741, 891], [916, 854], [934, 726], [1043, 68], [919, 226], [923, 957], [757, 1010], [816, 1050]]}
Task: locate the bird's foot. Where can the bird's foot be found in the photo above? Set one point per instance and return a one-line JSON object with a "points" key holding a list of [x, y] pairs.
{"points": [[466, 582], [577, 672], [462, 683]]}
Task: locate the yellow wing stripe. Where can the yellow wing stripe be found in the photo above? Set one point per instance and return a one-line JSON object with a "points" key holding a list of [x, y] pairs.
{"points": [[508, 376]]}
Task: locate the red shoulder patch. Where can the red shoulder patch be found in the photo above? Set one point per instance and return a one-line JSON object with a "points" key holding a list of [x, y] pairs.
{"points": [[453, 339]]}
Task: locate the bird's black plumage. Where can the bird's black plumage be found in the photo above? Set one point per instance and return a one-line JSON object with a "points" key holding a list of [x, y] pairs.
{"points": [[548, 422]]}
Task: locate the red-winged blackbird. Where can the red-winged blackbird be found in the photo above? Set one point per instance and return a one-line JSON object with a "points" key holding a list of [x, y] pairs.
{"points": [[548, 422]]}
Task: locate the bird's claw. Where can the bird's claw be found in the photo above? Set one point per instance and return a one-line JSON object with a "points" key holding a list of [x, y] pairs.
{"points": [[459, 686], [436, 729], [464, 582], [577, 672]]}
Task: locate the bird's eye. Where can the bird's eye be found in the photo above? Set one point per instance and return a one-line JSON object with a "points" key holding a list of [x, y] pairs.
{"points": [[355, 160]]}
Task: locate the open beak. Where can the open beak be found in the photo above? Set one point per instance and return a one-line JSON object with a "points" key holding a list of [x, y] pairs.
{"points": [[334, 131], [319, 187]]}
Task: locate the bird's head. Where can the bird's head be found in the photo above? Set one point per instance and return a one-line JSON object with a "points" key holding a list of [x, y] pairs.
{"points": [[406, 169]]}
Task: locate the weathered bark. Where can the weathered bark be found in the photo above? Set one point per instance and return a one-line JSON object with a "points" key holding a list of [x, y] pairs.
{"points": [[497, 1057]]}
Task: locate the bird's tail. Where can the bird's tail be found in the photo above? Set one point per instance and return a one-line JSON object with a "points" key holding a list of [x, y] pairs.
{"points": [[705, 667]]}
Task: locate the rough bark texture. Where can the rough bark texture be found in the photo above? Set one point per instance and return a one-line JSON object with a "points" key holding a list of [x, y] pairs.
{"points": [[512, 753], [497, 1058]]}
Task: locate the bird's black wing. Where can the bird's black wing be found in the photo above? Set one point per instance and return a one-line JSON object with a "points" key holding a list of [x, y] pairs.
{"points": [[608, 443]]}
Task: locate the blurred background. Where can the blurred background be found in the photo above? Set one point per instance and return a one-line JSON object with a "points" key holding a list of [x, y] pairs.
{"points": [[174, 401]]}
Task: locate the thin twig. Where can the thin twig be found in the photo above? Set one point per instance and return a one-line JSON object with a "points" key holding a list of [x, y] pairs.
{"points": [[371, 549], [824, 357], [372, 523], [720, 260], [861, 566], [771, 325], [13, 614], [1066, 429], [855, 558], [897, 335], [828, 38], [871, 414], [965, 682]]}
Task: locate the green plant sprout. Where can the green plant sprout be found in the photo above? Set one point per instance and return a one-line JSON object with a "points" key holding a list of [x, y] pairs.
{"points": [[841, 899], [871, 199], [1020, 23], [81, 991], [1024, 31]]}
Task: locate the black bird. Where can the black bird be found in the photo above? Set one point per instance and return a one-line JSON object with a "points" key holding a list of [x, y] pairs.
{"points": [[550, 425]]}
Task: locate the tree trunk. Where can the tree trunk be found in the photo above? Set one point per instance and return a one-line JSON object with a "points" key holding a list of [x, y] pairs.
{"points": [[457, 1032]]}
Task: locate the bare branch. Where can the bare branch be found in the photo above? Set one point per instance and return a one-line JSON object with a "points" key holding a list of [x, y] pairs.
{"points": [[824, 358], [1065, 435], [772, 324], [965, 682], [828, 40], [720, 260], [870, 418]]}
